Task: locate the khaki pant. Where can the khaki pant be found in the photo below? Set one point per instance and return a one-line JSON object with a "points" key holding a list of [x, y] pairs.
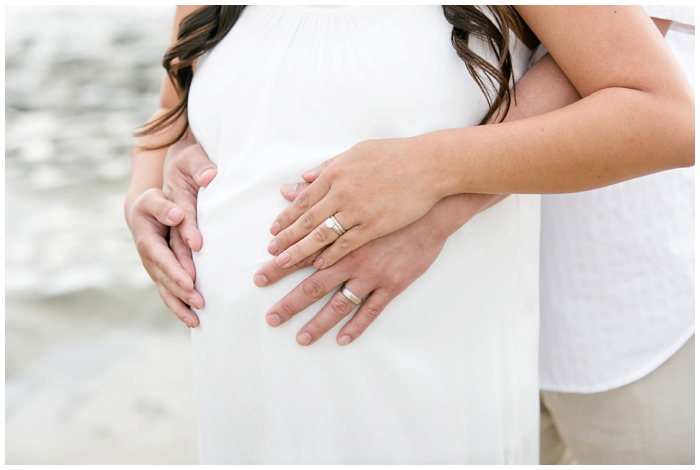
{"points": [[650, 421]]}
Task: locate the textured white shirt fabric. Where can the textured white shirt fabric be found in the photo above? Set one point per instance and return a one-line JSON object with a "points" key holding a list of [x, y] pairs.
{"points": [[617, 268]]}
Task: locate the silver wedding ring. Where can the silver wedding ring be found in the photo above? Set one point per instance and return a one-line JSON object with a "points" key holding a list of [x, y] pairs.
{"points": [[333, 224], [350, 296]]}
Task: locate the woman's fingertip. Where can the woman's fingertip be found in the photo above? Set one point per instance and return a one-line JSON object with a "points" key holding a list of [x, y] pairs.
{"points": [[275, 229]]}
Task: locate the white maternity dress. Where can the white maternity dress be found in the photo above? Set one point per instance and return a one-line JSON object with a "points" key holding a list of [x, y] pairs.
{"points": [[448, 372]]}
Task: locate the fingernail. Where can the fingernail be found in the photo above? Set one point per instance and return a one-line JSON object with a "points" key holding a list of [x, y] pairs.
{"points": [[191, 303], [273, 248], [205, 174], [289, 188], [274, 320], [318, 264], [344, 340], [260, 280], [304, 339], [173, 214], [275, 229], [187, 322], [189, 244], [283, 259]]}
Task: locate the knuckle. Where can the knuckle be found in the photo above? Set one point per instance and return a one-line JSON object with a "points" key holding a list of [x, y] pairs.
{"points": [[394, 280], [172, 286], [167, 283], [296, 252], [162, 291], [283, 238], [159, 264], [314, 288], [307, 223], [317, 327], [142, 246], [321, 235], [277, 272], [168, 190], [372, 311], [302, 201], [285, 310], [344, 243], [339, 307], [284, 220]]}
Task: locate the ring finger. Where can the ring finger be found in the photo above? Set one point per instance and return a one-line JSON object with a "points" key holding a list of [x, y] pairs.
{"points": [[330, 230], [342, 303]]}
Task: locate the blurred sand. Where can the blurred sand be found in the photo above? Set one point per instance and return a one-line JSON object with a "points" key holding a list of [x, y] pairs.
{"points": [[97, 370]]}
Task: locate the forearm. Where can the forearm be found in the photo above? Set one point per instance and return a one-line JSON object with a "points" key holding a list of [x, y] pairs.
{"points": [[147, 163], [568, 150], [543, 88], [636, 116]]}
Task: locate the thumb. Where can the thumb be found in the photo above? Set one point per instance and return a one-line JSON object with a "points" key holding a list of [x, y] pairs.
{"points": [[291, 191], [168, 213], [198, 165], [153, 203]]}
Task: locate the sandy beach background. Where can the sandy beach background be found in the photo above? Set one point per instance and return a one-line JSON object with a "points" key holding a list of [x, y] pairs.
{"points": [[97, 371]]}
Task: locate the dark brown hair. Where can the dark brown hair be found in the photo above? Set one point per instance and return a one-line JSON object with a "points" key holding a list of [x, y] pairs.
{"points": [[205, 28]]}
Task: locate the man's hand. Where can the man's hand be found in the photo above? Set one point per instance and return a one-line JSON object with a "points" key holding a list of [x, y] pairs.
{"points": [[376, 272]]}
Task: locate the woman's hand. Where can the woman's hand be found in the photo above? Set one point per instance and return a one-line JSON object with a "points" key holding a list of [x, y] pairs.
{"points": [[150, 219], [375, 188], [164, 227], [376, 272]]}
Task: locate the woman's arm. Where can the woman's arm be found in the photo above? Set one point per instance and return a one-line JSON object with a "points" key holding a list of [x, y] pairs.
{"points": [[383, 268], [636, 117], [149, 213]]}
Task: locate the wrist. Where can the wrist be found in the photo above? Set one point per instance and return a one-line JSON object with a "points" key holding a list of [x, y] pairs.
{"points": [[453, 212], [436, 153]]}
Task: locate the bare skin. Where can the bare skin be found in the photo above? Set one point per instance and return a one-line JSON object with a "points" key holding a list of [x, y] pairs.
{"points": [[366, 272], [620, 129], [149, 213], [370, 271]]}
